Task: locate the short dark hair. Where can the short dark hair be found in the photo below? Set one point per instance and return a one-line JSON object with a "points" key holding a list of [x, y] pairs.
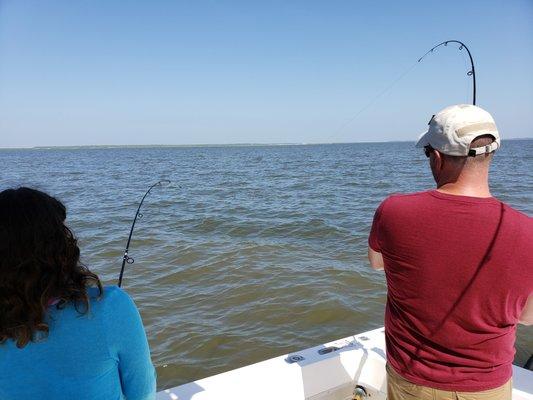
{"points": [[39, 262]]}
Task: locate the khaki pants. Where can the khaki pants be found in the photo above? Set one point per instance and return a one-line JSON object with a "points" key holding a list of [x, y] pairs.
{"points": [[400, 389]]}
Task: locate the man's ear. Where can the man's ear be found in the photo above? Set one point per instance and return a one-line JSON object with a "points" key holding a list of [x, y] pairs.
{"points": [[438, 160]]}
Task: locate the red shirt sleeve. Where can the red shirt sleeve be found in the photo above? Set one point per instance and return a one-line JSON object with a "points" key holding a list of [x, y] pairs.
{"points": [[374, 238]]}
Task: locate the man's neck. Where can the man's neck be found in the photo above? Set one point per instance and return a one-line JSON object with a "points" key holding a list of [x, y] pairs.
{"points": [[461, 189]]}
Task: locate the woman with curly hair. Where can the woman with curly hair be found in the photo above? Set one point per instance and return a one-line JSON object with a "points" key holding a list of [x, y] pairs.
{"points": [[62, 335]]}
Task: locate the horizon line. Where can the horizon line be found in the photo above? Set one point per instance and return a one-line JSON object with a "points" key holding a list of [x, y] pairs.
{"points": [[242, 144]]}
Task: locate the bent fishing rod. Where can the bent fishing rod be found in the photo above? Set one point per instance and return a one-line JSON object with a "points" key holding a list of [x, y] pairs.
{"points": [[472, 71], [126, 258]]}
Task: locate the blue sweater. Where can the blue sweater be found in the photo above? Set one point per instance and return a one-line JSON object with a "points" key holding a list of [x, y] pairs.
{"points": [[100, 355]]}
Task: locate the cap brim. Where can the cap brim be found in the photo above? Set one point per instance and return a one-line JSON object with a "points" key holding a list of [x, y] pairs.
{"points": [[423, 139]]}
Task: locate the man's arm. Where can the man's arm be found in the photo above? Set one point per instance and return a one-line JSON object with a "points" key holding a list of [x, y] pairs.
{"points": [[374, 256], [376, 260], [527, 313]]}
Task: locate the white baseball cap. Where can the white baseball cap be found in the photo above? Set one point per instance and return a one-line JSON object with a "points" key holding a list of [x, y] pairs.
{"points": [[452, 130]]}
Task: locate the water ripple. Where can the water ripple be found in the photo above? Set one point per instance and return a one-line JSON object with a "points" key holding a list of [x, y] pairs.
{"points": [[251, 252]]}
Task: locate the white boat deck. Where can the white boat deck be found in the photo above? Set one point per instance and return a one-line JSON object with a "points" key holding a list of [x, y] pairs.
{"points": [[326, 372]]}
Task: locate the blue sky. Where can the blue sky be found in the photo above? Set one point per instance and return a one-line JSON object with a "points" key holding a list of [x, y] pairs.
{"points": [[195, 72]]}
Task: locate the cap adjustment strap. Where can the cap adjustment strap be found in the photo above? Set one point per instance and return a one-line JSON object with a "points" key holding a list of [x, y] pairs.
{"points": [[483, 150]]}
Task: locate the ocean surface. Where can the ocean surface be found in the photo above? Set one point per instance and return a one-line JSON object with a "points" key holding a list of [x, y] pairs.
{"points": [[251, 251]]}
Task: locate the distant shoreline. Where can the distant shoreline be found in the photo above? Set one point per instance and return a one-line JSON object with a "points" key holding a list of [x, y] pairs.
{"points": [[153, 146]]}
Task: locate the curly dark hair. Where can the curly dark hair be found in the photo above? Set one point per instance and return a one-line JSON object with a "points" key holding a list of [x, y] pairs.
{"points": [[39, 263]]}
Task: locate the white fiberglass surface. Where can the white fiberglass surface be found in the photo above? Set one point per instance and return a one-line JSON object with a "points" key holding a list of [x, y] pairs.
{"points": [[327, 372]]}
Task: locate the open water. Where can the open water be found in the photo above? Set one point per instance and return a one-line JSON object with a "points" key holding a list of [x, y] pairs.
{"points": [[252, 251]]}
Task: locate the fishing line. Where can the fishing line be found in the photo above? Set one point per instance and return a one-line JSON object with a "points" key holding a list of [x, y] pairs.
{"points": [[375, 98], [471, 72], [126, 258]]}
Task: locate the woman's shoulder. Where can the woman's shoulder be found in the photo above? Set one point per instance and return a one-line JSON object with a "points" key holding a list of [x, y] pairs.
{"points": [[107, 291], [112, 298], [117, 312]]}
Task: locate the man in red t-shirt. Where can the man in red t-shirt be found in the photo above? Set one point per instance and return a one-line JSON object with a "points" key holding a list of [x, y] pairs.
{"points": [[459, 270]]}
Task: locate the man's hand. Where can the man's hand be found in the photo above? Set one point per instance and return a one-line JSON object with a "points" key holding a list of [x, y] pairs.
{"points": [[376, 259], [527, 313]]}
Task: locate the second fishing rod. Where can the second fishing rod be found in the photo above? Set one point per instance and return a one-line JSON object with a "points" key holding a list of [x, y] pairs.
{"points": [[127, 259]]}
